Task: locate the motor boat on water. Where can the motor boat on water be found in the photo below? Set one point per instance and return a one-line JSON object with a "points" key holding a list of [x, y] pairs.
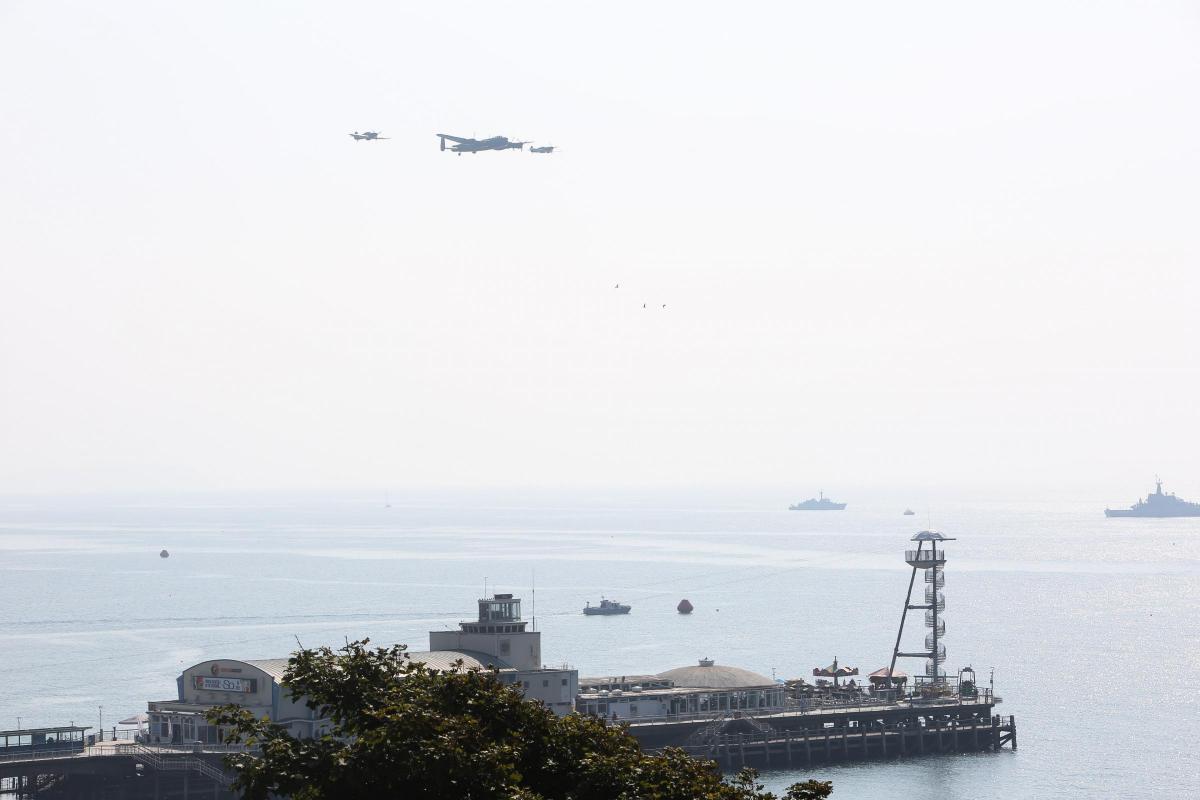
{"points": [[606, 608]]}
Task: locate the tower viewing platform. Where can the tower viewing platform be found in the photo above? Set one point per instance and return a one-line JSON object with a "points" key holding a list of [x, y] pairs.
{"points": [[927, 555]]}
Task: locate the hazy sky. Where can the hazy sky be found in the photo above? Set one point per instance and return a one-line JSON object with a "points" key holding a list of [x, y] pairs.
{"points": [[916, 244]]}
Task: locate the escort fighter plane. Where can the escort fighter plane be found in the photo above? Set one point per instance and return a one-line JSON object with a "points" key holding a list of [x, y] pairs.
{"points": [[370, 136]]}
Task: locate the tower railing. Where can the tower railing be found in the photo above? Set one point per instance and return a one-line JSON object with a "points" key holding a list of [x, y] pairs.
{"points": [[923, 559]]}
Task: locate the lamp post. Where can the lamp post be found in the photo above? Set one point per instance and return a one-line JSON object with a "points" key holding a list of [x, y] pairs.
{"points": [[101, 723]]}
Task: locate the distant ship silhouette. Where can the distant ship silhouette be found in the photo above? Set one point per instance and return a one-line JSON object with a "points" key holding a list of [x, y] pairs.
{"points": [[1157, 505], [820, 503]]}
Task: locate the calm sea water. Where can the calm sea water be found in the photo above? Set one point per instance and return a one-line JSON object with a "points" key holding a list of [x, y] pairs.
{"points": [[1092, 625]]}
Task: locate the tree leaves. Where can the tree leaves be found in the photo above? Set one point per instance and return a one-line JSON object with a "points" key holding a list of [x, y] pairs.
{"points": [[401, 729]]}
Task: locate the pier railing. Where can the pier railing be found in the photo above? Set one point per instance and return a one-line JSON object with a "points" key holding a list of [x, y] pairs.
{"points": [[181, 749], [43, 755], [818, 705], [174, 760], [122, 749]]}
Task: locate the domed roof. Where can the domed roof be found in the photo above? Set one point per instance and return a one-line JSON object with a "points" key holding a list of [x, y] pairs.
{"points": [[708, 675], [929, 536]]}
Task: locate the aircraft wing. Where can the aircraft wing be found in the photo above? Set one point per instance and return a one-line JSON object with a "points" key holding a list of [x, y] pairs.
{"points": [[458, 139]]}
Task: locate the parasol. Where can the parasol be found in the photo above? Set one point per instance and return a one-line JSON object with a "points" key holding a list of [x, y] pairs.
{"points": [[880, 676], [834, 671]]}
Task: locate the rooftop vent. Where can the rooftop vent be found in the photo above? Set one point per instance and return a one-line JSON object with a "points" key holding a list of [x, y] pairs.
{"points": [[706, 662]]}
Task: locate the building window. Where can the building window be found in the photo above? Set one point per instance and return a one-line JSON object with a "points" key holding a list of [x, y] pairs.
{"points": [[564, 681], [545, 684]]}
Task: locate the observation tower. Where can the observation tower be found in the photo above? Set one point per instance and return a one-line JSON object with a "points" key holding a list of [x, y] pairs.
{"points": [[931, 559]]}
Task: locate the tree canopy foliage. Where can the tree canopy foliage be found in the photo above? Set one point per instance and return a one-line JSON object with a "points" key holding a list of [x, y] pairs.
{"points": [[400, 729]]}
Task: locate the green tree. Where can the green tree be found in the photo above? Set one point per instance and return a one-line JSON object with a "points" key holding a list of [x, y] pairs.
{"points": [[400, 729]]}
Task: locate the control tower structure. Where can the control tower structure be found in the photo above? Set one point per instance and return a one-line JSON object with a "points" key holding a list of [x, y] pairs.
{"points": [[498, 632]]}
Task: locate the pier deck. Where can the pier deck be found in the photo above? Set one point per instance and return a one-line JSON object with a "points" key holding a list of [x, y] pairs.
{"points": [[118, 770], [805, 737]]}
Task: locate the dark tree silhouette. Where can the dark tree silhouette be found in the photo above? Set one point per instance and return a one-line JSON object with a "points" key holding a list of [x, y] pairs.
{"points": [[400, 729]]}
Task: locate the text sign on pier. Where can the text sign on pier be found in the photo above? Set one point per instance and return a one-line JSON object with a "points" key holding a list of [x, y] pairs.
{"points": [[224, 684]]}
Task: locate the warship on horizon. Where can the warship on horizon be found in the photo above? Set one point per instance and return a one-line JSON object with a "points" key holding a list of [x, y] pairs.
{"points": [[1157, 505], [821, 503]]}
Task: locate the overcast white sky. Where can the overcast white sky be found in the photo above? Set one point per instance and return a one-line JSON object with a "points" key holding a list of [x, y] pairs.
{"points": [[915, 244]]}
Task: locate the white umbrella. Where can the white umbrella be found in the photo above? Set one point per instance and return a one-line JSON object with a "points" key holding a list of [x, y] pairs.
{"points": [[136, 719]]}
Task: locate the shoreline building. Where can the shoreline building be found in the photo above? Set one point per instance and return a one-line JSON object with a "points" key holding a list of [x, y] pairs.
{"points": [[497, 638]]}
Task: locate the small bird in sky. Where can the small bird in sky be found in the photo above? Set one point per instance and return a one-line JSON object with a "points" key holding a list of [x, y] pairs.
{"points": [[618, 286], [664, 305], [643, 305]]}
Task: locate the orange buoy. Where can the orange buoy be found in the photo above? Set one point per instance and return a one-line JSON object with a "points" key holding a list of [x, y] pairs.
{"points": [[684, 606]]}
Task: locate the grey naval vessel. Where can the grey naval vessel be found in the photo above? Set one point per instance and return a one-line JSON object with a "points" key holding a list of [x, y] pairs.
{"points": [[1157, 505], [821, 503]]}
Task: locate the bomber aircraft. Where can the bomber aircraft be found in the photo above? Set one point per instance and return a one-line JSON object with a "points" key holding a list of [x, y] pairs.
{"points": [[370, 136], [462, 145]]}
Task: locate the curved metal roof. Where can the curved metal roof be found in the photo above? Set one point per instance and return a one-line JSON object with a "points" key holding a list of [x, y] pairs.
{"points": [[444, 659], [272, 666], [715, 676], [931, 536], [434, 659]]}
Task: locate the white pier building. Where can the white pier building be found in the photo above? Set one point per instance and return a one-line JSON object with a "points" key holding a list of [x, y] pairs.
{"points": [[497, 638]]}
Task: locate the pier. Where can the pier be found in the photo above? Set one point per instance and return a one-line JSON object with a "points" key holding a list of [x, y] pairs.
{"points": [[116, 771], [830, 735], [854, 743], [857, 732], [710, 710]]}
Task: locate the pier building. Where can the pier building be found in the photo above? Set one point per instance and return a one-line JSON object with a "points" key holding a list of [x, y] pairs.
{"points": [[703, 690], [497, 638]]}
